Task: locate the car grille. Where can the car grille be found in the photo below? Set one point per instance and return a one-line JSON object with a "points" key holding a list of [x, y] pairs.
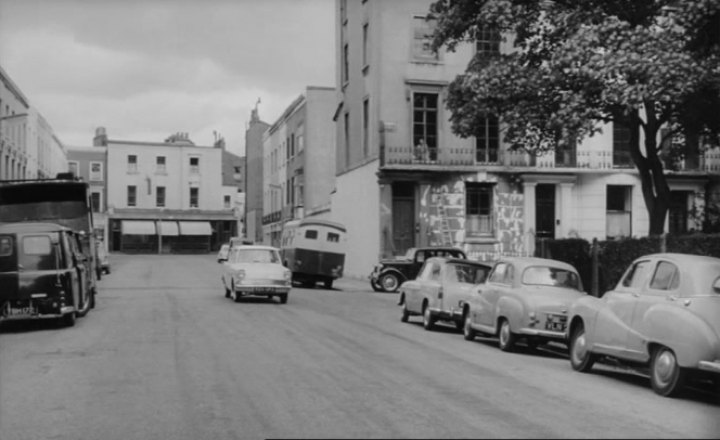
{"points": [[264, 282]]}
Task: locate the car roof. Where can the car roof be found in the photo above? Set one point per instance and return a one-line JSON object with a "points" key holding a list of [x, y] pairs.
{"points": [[684, 258], [439, 248], [536, 261], [256, 247], [463, 261], [9, 228]]}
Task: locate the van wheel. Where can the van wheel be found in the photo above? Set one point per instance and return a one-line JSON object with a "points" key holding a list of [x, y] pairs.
{"points": [[68, 320], [666, 376], [328, 284]]}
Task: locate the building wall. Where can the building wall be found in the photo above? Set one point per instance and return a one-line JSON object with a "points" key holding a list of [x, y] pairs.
{"points": [[319, 149], [254, 176], [14, 108], [356, 204]]}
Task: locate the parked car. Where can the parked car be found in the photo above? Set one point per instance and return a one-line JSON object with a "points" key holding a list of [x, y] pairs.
{"points": [[255, 270], [523, 297], [389, 274], [663, 314], [441, 290], [104, 262], [43, 273], [223, 253]]}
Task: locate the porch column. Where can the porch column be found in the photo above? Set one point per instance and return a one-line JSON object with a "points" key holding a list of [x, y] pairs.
{"points": [[566, 210], [529, 206]]}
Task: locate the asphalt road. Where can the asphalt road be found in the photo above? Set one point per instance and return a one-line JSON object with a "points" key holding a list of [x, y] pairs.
{"points": [[165, 356]]}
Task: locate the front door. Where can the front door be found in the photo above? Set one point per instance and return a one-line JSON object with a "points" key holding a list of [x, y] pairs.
{"points": [[403, 217], [545, 211]]}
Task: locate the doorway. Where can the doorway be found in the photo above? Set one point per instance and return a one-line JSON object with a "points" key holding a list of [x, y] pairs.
{"points": [[403, 217], [545, 211]]}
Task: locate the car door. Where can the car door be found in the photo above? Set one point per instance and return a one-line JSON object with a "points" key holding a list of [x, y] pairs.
{"points": [[613, 322], [413, 295], [431, 286], [661, 289], [500, 279]]}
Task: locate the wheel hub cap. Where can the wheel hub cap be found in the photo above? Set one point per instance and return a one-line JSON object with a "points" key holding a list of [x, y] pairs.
{"points": [[579, 348], [664, 367]]}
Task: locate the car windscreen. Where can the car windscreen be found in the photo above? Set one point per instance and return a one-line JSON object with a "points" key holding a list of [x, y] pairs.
{"points": [[550, 276], [466, 273], [256, 256], [37, 253]]}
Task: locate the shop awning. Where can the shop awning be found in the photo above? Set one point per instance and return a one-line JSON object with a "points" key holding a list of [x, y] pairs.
{"points": [[168, 228], [195, 228], [138, 227]]}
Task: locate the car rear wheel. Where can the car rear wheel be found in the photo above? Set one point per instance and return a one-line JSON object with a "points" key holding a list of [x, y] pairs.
{"points": [[506, 338], [283, 298], [468, 332], [581, 359], [227, 292], [405, 316], [666, 376], [389, 282], [375, 286], [428, 318]]}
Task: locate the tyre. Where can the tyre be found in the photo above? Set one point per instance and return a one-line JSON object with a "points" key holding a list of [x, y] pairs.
{"points": [[666, 376], [460, 325], [92, 299], [581, 359], [227, 292], [68, 320], [375, 286], [283, 298], [405, 316], [328, 284], [506, 338], [86, 306], [428, 318], [468, 332], [237, 296], [389, 282]]}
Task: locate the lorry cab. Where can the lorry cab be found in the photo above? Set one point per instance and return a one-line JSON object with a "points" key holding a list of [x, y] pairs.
{"points": [[43, 273]]}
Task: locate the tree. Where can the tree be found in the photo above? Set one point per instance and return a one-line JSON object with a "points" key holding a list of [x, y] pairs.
{"points": [[644, 64]]}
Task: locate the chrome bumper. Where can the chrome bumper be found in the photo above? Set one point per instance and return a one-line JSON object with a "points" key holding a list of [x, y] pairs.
{"points": [[710, 366]]}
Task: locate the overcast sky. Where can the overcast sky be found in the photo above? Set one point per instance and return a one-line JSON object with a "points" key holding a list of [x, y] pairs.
{"points": [[145, 69]]}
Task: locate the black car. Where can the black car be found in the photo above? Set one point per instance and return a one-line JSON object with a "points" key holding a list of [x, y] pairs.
{"points": [[389, 274], [44, 273]]}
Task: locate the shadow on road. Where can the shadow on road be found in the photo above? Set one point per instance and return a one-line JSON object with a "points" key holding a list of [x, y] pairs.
{"points": [[32, 325]]}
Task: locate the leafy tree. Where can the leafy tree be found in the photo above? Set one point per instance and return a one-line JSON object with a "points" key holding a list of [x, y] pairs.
{"points": [[644, 64]]}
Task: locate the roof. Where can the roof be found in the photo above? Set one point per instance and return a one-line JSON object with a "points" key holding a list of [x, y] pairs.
{"points": [[10, 228], [536, 261]]}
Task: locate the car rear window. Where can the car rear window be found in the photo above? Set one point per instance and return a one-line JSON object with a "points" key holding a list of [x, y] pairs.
{"points": [[550, 276], [37, 253], [466, 273]]}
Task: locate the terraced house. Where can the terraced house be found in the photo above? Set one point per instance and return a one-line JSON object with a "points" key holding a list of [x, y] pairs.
{"points": [[424, 185]]}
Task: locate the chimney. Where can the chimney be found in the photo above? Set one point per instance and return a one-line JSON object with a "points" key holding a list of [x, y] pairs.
{"points": [[100, 139]]}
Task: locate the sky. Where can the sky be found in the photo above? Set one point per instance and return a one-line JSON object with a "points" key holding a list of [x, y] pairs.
{"points": [[145, 69]]}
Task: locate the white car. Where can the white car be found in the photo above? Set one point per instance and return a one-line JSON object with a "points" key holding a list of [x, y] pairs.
{"points": [[256, 271]]}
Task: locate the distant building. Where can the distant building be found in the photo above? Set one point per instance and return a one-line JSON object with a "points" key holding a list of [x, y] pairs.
{"points": [[90, 164], [29, 148], [254, 177], [167, 197], [299, 162], [233, 174]]}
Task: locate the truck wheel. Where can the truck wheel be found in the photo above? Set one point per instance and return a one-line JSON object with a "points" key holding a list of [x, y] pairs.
{"points": [[666, 376], [506, 338], [389, 282]]}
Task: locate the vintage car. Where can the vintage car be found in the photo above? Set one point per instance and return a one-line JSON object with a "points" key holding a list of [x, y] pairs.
{"points": [[523, 297], [255, 270], [43, 273], [389, 274], [441, 289], [663, 314]]}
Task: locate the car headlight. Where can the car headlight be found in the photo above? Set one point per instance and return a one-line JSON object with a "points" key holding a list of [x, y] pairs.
{"points": [[288, 275], [239, 275]]}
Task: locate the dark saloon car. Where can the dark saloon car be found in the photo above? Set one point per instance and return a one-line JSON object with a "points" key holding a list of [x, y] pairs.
{"points": [[389, 274], [43, 273]]}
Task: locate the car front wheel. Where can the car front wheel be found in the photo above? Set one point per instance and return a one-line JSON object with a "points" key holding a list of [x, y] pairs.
{"points": [[283, 298], [506, 338], [389, 282], [428, 319], [666, 376], [580, 358], [405, 316], [468, 332]]}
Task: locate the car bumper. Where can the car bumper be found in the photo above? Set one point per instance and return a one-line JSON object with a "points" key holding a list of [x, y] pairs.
{"points": [[262, 290], [547, 334], [713, 366], [63, 311]]}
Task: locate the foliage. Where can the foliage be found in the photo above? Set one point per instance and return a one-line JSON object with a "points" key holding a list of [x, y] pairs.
{"points": [[574, 251], [697, 244], [644, 64]]}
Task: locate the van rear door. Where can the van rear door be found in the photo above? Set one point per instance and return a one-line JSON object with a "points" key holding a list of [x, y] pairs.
{"points": [[8, 268]]}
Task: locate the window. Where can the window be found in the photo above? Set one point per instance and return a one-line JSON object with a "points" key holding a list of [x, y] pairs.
{"points": [[311, 234], [621, 146], [96, 171], [194, 165], [37, 253], [488, 140], [160, 196], [333, 237], [550, 276], [72, 167], [365, 44], [6, 246], [499, 273], [160, 165], [366, 126], [132, 163], [488, 41], [478, 209], [636, 275], [194, 196], [226, 202], [425, 114], [666, 277], [95, 201], [423, 29], [132, 195], [678, 212], [345, 66], [619, 214]]}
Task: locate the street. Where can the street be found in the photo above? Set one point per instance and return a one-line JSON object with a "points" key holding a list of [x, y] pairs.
{"points": [[165, 356]]}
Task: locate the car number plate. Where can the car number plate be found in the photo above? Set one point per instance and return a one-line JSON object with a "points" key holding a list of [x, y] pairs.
{"points": [[555, 323], [264, 290], [22, 311]]}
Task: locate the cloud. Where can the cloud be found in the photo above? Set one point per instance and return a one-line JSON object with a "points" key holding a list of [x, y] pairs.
{"points": [[151, 68]]}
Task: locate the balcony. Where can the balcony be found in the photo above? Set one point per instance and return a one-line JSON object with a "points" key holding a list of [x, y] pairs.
{"points": [[463, 159]]}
